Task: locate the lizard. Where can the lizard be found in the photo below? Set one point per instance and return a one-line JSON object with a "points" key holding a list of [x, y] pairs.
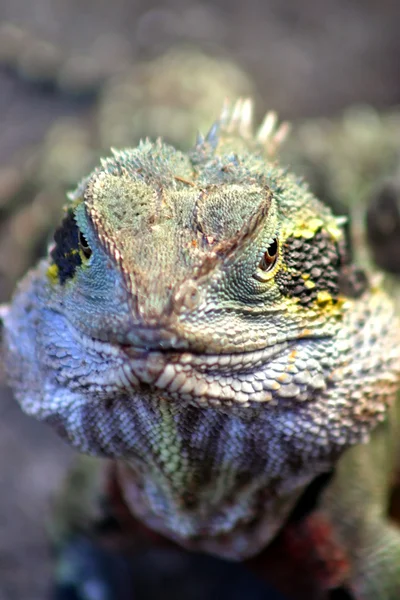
{"points": [[199, 321]]}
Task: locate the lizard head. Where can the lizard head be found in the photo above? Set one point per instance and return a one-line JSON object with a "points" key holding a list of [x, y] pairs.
{"points": [[216, 253], [199, 316]]}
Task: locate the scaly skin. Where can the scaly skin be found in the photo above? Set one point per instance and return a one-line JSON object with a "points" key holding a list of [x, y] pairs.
{"points": [[199, 320]]}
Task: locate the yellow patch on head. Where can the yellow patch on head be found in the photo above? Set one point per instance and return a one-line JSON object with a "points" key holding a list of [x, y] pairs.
{"points": [[52, 273], [334, 231], [307, 229], [324, 298], [329, 305]]}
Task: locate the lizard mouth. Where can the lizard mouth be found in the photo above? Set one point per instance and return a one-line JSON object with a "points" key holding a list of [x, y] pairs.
{"points": [[210, 378], [256, 376]]}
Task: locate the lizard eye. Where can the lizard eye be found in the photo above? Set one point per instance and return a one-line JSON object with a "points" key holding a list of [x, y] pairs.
{"points": [[268, 261], [84, 246]]}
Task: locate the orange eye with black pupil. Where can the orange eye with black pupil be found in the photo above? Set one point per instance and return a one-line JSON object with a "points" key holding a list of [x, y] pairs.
{"points": [[269, 257]]}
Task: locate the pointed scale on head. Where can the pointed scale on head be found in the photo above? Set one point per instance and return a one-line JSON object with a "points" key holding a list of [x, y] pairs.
{"points": [[198, 317]]}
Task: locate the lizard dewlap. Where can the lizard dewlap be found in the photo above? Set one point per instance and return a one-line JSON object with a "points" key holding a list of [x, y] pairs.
{"points": [[199, 319]]}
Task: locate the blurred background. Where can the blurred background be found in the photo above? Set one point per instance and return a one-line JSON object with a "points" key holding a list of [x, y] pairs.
{"points": [[77, 76]]}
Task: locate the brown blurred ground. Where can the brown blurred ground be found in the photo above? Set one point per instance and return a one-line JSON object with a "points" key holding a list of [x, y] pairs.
{"points": [[307, 58]]}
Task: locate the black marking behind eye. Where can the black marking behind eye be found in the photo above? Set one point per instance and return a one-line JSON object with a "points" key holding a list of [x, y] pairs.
{"points": [[312, 266], [65, 253], [319, 264]]}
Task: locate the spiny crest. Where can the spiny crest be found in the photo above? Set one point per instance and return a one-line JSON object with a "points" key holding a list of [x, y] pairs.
{"points": [[237, 121]]}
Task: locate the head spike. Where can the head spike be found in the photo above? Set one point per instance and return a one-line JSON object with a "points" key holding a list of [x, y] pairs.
{"points": [[271, 136], [341, 220], [104, 162], [199, 139], [233, 124], [280, 136], [246, 121], [225, 113], [237, 120], [213, 135], [267, 127]]}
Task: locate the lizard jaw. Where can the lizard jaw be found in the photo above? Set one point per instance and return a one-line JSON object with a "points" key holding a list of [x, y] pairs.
{"points": [[283, 372], [239, 379]]}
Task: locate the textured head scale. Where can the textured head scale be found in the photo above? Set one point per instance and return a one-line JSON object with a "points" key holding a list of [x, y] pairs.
{"points": [[173, 221], [167, 217]]}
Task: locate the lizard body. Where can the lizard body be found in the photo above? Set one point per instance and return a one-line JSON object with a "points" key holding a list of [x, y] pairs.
{"points": [[199, 319]]}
